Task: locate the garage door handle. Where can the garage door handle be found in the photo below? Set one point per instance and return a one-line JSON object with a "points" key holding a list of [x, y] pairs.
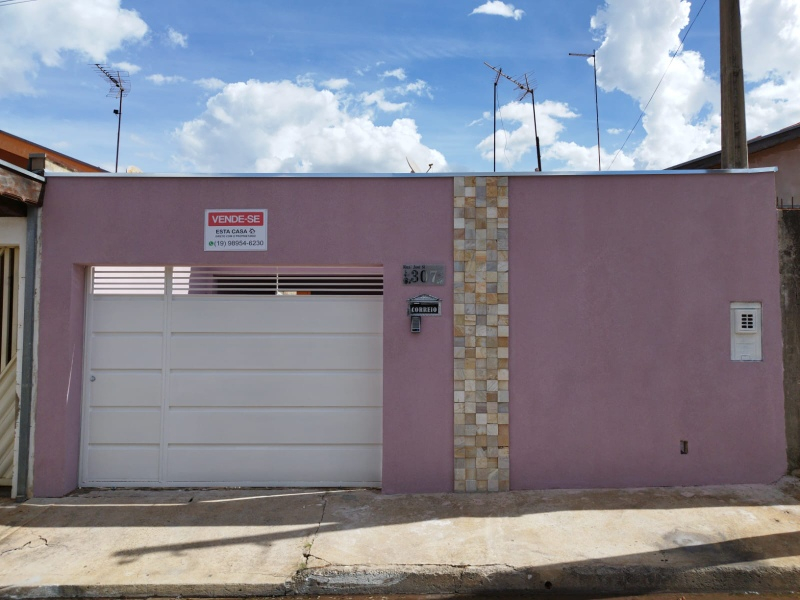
{"points": [[92, 378]]}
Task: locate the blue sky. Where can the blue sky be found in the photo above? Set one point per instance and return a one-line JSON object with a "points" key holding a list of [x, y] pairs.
{"points": [[359, 85]]}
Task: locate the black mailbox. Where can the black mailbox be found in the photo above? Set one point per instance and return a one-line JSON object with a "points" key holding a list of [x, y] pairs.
{"points": [[423, 305]]}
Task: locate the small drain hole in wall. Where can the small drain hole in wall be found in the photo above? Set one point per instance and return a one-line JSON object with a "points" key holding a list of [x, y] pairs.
{"points": [[684, 447], [547, 585]]}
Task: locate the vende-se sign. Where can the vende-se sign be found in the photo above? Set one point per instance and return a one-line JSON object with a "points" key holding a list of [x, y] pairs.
{"points": [[236, 218], [235, 230]]}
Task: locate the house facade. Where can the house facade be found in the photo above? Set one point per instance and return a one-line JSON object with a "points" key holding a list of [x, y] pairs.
{"points": [[415, 333]]}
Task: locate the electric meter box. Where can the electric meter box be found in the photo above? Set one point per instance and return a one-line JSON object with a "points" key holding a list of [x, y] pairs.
{"points": [[746, 331]]}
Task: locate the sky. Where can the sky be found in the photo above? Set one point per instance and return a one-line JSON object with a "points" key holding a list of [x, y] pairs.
{"points": [[364, 86]]}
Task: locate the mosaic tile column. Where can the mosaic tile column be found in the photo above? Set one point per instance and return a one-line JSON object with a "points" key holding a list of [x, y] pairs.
{"points": [[480, 333]]}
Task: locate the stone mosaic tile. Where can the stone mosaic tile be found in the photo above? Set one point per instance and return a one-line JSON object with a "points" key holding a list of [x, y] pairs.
{"points": [[480, 334]]}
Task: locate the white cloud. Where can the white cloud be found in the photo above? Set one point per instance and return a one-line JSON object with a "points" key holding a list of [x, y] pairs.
{"points": [[513, 146], [335, 84], [160, 79], [638, 42], [46, 33], [584, 158], [281, 126], [177, 38], [129, 67], [501, 9], [418, 88], [770, 37], [771, 45], [306, 80], [615, 131], [378, 98], [485, 117], [396, 73], [210, 83]]}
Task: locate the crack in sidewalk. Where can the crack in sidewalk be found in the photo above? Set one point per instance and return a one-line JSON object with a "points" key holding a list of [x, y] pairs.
{"points": [[307, 550], [25, 545], [35, 512], [327, 563]]}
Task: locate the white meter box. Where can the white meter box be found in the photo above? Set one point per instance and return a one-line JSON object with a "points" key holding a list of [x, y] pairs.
{"points": [[746, 331], [241, 230]]}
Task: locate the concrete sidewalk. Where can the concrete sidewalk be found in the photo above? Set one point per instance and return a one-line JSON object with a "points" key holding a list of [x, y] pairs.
{"points": [[255, 542]]}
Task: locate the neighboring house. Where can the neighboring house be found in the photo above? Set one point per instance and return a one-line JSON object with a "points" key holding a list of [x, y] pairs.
{"points": [[21, 191], [18, 151], [782, 150], [596, 330]]}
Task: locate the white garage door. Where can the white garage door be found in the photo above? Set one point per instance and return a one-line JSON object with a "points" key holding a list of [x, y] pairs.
{"points": [[233, 377]]}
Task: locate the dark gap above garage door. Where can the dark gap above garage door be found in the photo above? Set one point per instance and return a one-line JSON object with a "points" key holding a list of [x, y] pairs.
{"points": [[239, 281]]}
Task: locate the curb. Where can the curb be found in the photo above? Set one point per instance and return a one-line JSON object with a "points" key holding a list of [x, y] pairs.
{"points": [[448, 579]]}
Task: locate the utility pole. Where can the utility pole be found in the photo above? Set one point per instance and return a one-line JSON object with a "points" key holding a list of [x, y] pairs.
{"points": [[734, 123]]}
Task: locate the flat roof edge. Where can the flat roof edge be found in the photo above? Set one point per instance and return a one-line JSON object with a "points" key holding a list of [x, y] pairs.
{"points": [[672, 173]]}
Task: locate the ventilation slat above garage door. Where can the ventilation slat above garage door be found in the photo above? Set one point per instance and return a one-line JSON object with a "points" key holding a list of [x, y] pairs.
{"points": [[224, 376]]}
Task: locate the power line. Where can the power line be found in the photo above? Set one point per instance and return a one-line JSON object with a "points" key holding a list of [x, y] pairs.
{"points": [[680, 47]]}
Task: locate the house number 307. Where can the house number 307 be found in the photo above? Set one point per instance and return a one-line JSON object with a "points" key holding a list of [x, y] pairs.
{"points": [[423, 274]]}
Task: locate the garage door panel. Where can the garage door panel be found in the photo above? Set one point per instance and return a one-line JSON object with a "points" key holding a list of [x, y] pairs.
{"points": [[276, 352], [126, 351], [278, 315], [275, 465], [126, 388], [134, 315], [120, 426], [276, 388], [275, 426], [120, 463], [232, 389]]}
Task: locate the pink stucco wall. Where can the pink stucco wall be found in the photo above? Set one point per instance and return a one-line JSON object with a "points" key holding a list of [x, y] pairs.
{"points": [[312, 221], [620, 287], [620, 331]]}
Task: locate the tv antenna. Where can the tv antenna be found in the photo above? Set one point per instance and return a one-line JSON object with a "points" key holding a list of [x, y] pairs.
{"points": [[526, 89], [120, 87]]}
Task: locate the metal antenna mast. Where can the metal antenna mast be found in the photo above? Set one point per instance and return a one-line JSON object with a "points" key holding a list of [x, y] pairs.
{"points": [[593, 56], [120, 87], [526, 89], [494, 126]]}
